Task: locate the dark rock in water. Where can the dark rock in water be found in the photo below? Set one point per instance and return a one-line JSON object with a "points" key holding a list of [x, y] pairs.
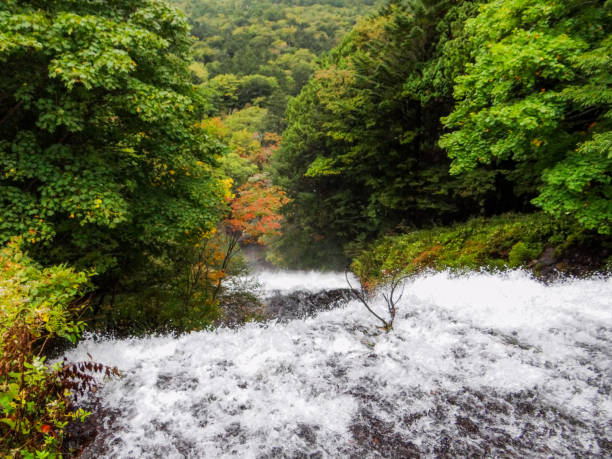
{"points": [[300, 304], [582, 260], [83, 438], [548, 257], [239, 308]]}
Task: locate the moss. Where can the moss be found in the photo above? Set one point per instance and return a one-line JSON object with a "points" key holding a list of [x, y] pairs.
{"points": [[522, 252], [501, 242]]}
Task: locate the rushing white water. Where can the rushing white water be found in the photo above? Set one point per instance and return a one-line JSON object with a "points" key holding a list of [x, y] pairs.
{"points": [[477, 364], [290, 281]]}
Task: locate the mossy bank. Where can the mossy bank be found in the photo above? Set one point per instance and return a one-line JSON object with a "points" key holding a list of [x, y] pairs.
{"points": [[549, 247]]}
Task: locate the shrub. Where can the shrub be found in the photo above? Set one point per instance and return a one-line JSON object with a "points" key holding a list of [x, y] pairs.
{"points": [[37, 305], [522, 252], [501, 242]]}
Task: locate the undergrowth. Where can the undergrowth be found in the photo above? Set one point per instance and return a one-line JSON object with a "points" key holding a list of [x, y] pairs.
{"points": [[497, 243], [37, 306]]}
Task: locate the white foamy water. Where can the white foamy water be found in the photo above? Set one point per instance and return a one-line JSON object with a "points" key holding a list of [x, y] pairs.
{"points": [[290, 281], [477, 365]]}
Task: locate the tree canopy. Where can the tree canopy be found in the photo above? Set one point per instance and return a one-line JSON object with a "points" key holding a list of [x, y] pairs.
{"points": [[511, 96], [538, 92], [103, 161], [261, 53], [360, 155]]}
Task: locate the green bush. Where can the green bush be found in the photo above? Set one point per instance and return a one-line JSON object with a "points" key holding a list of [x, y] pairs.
{"points": [[501, 242], [522, 252], [188, 297], [36, 307]]}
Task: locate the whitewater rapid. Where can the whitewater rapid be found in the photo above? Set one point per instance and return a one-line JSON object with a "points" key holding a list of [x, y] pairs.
{"points": [[477, 365]]}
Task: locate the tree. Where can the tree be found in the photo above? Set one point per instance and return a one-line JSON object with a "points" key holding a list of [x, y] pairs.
{"points": [[103, 162], [256, 88], [270, 46], [255, 213], [254, 219], [395, 282], [536, 96], [360, 155]]}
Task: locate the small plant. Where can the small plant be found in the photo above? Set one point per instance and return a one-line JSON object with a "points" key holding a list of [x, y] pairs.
{"points": [[35, 398], [521, 253], [394, 281]]}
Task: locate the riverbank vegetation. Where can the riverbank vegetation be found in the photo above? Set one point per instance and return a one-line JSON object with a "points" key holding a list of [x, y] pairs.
{"points": [[38, 305], [534, 241]]}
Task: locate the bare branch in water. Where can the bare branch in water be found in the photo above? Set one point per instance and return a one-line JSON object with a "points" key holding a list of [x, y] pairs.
{"points": [[362, 295]]}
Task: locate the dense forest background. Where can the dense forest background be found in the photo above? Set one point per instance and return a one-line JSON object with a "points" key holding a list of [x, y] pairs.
{"points": [[261, 53], [431, 112]]}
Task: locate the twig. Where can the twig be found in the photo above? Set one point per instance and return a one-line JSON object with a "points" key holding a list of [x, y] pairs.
{"points": [[362, 297]]}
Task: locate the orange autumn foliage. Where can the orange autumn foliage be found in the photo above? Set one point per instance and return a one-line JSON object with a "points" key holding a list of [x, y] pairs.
{"points": [[255, 211]]}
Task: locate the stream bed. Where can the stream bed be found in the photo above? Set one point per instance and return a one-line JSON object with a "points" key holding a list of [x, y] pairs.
{"points": [[476, 365]]}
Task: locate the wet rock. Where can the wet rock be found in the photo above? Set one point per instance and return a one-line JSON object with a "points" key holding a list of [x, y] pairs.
{"points": [[180, 382], [371, 434], [239, 308], [308, 433], [581, 260], [466, 425], [301, 304], [88, 439], [548, 257]]}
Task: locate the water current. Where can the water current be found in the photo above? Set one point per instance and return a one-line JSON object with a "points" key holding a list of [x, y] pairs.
{"points": [[477, 365]]}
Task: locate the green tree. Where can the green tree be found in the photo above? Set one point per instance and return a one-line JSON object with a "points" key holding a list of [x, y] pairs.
{"points": [[102, 160], [360, 155], [256, 88], [225, 89], [536, 96], [270, 46]]}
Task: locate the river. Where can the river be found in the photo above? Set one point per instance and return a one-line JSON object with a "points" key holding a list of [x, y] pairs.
{"points": [[477, 365]]}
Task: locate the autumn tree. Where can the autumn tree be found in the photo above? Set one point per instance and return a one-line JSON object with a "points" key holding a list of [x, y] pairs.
{"points": [[255, 216]]}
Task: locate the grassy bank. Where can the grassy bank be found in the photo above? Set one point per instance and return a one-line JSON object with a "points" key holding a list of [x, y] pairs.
{"points": [[534, 241]]}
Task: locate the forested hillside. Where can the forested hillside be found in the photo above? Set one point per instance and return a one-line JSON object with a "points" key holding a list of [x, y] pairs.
{"points": [[260, 53], [430, 112], [250, 59]]}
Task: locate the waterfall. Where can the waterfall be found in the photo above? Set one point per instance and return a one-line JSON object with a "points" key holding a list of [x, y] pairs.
{"points": [[477, 364]]}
